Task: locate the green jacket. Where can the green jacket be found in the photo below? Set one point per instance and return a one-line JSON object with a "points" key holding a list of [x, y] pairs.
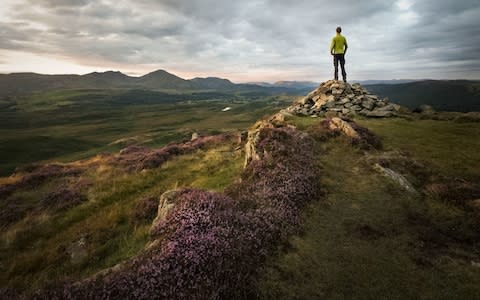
{"points": [[339, 44]]}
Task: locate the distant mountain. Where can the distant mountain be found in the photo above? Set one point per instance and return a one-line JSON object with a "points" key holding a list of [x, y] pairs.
{"points": [[212, 83], [299, 85], [164, 80], [390, 81], [442, 95], [27, 83]]}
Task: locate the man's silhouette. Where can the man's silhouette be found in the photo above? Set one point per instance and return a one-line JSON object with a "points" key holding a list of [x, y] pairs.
{"points": [[338, 49]]}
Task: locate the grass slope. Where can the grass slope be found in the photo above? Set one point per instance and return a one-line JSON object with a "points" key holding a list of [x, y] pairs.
{"points": [[369, 239], [112, 223]]}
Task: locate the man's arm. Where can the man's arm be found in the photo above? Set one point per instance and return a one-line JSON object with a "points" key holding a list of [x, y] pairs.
{"points": [[346, 47], [332, 46]]}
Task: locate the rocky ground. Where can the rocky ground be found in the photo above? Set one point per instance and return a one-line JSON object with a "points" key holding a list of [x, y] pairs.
{"points": [[342, 99]]}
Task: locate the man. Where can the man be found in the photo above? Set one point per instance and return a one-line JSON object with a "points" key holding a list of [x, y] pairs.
{"points": [[338, 49]]}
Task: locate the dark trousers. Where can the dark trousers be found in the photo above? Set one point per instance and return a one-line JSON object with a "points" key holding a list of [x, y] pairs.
{"points": [[339, 58]]}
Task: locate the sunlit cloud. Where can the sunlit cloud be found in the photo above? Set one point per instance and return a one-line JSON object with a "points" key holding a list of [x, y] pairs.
{"points": [[247, 40]]}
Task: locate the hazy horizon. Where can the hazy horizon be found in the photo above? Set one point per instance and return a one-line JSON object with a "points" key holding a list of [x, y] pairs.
{"points": [[243, 41], [237, 82]]}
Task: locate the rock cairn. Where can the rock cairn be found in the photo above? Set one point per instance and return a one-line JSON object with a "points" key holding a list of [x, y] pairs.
{"points": [[343, 99]]}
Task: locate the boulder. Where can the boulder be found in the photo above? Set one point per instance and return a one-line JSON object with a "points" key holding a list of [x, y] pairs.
{"points": [[379, 114], [398, 178], [344, 127], [165, 204], [356, 108], [368, 103], [389, 107], [194, 136]]}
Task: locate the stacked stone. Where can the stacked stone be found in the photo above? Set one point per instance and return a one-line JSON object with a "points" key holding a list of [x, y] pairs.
{"points": [[344, 100]]}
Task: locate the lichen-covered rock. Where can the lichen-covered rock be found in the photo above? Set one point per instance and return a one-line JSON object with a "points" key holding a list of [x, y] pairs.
{"points": [[165, 204], [343, 126], [253, 136], [398, 178], [358, 135]]}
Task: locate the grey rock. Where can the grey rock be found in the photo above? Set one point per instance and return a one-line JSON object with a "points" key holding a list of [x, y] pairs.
{"points": [[165, 204], [363, 112], [368, 103], [336, 91], [330, 104], [194, 136], [348, 105], [356, 108], [307, 101], [388, 107], [357, 100], [381, 103], [379, 113], [335, 109], [398, 178]]}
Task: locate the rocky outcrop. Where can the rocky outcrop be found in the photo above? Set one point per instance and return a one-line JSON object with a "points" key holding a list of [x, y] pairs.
{"points": [[253, 135], [343, 127], [165, 204], [358, 135], [342, 99], [398, 178]]}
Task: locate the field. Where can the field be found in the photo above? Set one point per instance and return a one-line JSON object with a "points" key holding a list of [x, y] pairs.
{"points": [[368, 238], [76, 124]]}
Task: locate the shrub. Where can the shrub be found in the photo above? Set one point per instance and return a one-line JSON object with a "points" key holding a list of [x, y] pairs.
{"points": [[146, 210], [212, 244]]}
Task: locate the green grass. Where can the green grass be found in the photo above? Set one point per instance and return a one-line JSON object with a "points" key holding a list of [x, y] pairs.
{"points": [[43, 127], [369, 239], [35, 250], [451, 148]]}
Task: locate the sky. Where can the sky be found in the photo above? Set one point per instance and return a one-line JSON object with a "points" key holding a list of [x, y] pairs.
{"points": [[244, 41]]}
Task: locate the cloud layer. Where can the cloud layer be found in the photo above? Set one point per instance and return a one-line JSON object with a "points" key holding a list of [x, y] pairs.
{"points": [[243, 40]]}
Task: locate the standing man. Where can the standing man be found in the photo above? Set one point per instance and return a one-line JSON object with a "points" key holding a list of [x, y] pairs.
{"points": [[338, 49]]}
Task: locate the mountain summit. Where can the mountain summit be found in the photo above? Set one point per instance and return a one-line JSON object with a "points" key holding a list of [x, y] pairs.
{"points": [[343, 99]]}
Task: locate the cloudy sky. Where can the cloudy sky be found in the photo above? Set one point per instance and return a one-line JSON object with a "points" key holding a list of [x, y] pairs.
{"points": [[248, 40]]}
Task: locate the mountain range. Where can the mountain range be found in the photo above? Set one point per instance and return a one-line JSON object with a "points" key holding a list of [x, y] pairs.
{"points": [[447, 95], [442, 95], [26, 83]]}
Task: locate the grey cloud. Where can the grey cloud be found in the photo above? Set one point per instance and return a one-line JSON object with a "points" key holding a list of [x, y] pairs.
{"points": [[250, 35]]}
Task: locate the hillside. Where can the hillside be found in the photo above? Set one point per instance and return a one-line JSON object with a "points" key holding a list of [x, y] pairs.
{"points": [[443, 95], [338, 195], [21, 84], [67, 125]]}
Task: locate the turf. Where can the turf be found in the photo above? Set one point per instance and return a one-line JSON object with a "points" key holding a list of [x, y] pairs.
{"points": [[367, 238]]}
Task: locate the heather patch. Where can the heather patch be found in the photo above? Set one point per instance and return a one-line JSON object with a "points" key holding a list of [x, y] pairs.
{"points": [[145, 210], [63, 198], [137, 158], [210, 245]]}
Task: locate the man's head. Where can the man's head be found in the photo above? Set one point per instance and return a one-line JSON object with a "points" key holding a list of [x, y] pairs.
{"points": [[339, 29]]}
